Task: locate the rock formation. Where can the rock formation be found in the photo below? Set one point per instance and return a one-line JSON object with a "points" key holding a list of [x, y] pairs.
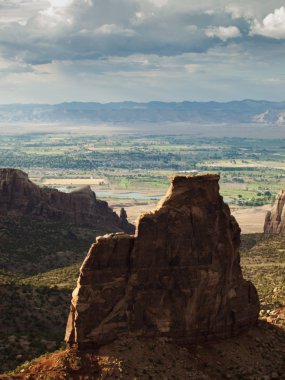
{"points": [[275, 219], [178, 277], [20, 197]]}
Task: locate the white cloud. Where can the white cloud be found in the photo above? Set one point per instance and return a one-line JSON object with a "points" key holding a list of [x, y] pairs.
{"points": [[223, 33], [192, 68], [273, 25], [60, 3], [56, 13], [159, 3], [109, 29]]}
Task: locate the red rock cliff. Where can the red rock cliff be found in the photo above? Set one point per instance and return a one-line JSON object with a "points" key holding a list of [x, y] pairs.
{"points": [[178, 277], [19, 197], [275, 219]]}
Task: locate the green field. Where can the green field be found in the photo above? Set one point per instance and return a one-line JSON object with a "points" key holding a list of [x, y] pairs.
{"points": [[252, 170]]}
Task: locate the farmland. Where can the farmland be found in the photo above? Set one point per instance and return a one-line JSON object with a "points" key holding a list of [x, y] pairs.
{"points": [[132, 166]]}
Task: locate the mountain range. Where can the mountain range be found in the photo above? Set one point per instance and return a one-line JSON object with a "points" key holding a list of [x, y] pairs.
{"points": [[244, 112]]}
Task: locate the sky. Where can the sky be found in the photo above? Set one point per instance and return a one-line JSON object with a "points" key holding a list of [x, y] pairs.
{"points": [[54, 51]]}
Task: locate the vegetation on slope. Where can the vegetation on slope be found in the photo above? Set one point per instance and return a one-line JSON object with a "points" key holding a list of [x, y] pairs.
{"points": [[41, 262], [34, 308]]}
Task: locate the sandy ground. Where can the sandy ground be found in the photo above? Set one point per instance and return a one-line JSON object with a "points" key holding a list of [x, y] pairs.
{"points": [[73, 181], [250, 219]]}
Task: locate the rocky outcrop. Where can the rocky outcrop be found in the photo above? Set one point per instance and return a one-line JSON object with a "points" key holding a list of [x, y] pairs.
{"points": [[275, 219], [178, 277], [20, 197]]}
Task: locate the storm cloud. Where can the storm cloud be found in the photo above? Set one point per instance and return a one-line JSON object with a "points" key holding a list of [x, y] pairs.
{"points": [[140, 38]]}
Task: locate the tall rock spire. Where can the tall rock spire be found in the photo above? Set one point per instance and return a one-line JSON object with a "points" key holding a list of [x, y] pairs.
{"points": [[275, 219], [178, 277]]}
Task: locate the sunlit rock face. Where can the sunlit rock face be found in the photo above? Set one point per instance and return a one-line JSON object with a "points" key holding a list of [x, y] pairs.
{"points": [[21, 197], [275, 219], [178, 277]]}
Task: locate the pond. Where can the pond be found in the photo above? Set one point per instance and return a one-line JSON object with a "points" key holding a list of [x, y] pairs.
{"points": [[110, 194]]}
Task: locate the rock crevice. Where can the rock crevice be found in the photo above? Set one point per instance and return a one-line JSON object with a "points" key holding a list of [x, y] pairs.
{"points": [[179, 276]]}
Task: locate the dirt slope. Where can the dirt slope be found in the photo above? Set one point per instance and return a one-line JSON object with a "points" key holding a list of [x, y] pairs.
{"points": [[258, 354]]}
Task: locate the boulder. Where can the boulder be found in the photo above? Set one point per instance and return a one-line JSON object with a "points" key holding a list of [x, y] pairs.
{"points": [[178, 277]]}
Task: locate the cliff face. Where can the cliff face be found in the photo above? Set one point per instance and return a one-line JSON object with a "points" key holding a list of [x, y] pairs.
{"points": [[178, 277], [19, 197], [275, 219]]}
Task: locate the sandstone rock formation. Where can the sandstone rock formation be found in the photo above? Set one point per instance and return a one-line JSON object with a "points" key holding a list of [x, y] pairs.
{"points": [[275, 219], [19, 197], [178, 277]]}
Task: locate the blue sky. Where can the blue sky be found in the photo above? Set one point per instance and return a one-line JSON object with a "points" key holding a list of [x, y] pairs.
{"points": [[113, 50]]}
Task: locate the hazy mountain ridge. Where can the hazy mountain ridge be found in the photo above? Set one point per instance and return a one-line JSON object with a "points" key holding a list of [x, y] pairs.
{"points": [[245, 111]]}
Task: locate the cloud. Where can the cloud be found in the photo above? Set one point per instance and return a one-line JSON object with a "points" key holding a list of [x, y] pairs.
{"points": [[86, 49], [108, 29], [273, 25], [223, 33], [159, 3], [91, 29]]}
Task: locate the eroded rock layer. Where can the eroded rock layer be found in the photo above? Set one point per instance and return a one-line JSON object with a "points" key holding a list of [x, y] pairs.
{"points": [[20, 197], [275, 219], [178, 277]]}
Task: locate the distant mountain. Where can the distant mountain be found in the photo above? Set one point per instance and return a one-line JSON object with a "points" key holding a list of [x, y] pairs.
{"points": [[245, 111]]}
